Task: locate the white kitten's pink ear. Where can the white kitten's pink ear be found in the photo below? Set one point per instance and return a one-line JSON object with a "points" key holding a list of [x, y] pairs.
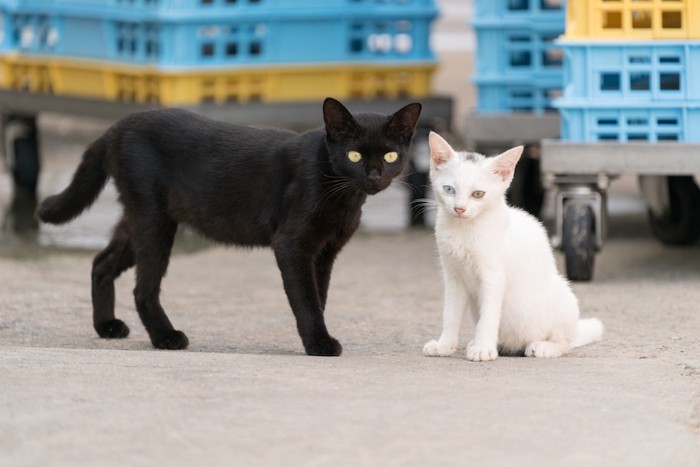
{"points": [[440, 150], [503, 165]]}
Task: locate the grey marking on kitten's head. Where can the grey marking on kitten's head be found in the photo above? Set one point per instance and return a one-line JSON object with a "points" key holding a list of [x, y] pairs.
{"points": [[471, 156]]}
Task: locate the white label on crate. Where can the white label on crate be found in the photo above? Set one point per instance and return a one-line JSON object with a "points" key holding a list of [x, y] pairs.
{"points": [[26, 37], [208, 31], [404, 25], [52, 37], [380, 43], [403, 43], [260, 30]]}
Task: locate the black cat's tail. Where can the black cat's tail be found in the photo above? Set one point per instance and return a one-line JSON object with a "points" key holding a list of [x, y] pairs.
{"points": [[88, 181]]}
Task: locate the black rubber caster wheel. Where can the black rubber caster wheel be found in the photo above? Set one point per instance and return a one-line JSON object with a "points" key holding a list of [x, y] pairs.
{"points": [[578, 241], [681, 224]]}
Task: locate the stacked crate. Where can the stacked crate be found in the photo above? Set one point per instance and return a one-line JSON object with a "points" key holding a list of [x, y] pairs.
{"points": [[518, 66], [631, 71], [185, 52]]}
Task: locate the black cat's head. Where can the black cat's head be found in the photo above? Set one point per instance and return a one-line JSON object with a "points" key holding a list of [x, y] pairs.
{"points": [[369, 149]]}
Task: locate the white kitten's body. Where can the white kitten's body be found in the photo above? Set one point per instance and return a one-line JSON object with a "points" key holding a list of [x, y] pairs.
{"points": [[498, 264]]}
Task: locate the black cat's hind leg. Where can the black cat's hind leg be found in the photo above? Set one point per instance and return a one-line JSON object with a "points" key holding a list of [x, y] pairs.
{"points": [[116, 258], [152, 239]]}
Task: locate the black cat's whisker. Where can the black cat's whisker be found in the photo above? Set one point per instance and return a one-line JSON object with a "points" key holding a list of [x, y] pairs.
{"points": [[337, 187], [332, 177], [410, 186], [336, 182], [405, 183], [408, 173], [414, 188], [337, 190]]}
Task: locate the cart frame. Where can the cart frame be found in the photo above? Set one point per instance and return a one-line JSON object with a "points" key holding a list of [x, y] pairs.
{"points": [[580, 175]]}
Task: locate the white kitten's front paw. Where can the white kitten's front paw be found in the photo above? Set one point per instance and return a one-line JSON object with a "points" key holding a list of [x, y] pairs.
{"points": [[544, 349], [478, 352], [436, 349]]}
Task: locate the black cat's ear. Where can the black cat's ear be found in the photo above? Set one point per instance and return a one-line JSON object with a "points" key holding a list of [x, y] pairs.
{"points": [[402, 124], [340, 124]]}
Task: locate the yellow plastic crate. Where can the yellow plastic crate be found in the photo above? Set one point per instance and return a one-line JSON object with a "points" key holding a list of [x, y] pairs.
{"points": [[633, 19], [101, 80]]}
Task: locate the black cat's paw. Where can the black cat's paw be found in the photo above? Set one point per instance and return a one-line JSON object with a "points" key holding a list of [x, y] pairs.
{"points": [[170, 340], [112, 329], [324, 347]]}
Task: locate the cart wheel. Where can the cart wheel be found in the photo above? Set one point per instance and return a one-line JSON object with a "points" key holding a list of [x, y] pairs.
{"points": [[681, 224], [20, 135], [22, 152], [578, 241]]}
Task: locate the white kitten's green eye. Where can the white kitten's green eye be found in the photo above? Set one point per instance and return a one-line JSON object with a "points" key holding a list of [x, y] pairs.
{"points": [[478, 194], [391, 156], [450, 190], [354, 156]]}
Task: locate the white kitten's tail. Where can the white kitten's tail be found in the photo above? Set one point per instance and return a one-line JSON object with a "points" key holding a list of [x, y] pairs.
{"points": [[589, 330]]}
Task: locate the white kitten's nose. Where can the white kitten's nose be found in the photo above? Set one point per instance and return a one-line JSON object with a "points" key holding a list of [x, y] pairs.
{"points": [[459, 211]]}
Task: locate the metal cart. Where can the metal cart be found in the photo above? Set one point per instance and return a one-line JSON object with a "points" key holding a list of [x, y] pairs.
{"points": [[580, 174]]}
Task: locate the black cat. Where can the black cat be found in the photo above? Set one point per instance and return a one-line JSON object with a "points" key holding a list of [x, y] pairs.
{"points": [[299, 193]]}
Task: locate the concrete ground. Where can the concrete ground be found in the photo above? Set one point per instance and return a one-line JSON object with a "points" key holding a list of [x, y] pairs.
{"points": [[245, 394]]}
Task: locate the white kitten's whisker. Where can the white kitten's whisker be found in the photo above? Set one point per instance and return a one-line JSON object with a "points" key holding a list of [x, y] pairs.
{"points": [[426, 202], [425, 205], [421, 212]]}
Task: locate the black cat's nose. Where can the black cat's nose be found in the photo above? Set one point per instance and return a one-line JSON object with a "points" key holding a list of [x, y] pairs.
{"points": [[374, 176]]}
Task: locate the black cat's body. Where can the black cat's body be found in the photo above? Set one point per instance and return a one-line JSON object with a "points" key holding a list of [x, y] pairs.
{"points": [[298, 193]]}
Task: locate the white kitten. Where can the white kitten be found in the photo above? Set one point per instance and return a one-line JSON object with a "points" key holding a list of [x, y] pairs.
{"points": [[497, 262]]}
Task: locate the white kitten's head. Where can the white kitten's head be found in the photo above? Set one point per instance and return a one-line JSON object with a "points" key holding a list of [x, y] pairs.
{"points": [[467, 184]]}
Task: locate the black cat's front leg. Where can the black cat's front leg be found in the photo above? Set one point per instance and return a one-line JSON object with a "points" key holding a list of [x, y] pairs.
{"points": [[323, 266], [152, 244], [301, 286]]}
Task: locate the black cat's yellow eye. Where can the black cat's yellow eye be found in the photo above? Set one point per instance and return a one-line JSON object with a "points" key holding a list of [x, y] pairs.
{"points": [[354, 156], [478, 194], [391, 156]]}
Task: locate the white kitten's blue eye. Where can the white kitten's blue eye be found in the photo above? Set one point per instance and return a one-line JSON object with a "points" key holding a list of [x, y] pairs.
{"points": [[450, 190]]}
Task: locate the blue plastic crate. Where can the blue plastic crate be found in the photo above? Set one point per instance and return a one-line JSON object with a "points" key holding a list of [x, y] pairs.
{"points": [[518, 64], [190, 8], [514, 96], [526, 52], [182, 34], [680, 122], [638, 71], [530, 11]]}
